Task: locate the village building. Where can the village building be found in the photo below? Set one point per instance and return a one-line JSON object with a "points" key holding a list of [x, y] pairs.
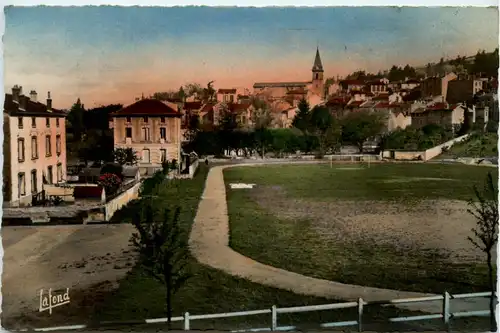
{"points": [[34, 147], [150, 127]]}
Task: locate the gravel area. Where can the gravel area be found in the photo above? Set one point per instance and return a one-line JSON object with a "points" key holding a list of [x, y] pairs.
{"points": [[442, 225], [59, 257]]}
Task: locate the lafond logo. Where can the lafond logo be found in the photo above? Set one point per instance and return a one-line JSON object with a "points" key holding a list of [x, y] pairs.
{"points": [[50, 301]]}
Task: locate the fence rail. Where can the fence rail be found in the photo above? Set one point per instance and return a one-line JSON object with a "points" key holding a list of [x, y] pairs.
{"points": [[446, 315]]}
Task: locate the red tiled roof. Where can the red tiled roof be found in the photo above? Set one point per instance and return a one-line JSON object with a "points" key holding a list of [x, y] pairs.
{"points": [[353, 82], [226, 91], [382, 105], [438, 106], [299, 91], [355, 103], [376, 83], [189, 106], [381, 97], [207, 107], [146, 107], [238, 107]]}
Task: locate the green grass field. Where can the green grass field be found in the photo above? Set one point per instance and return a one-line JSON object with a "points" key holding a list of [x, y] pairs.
{"points": [[212, 291], [294, 242]]}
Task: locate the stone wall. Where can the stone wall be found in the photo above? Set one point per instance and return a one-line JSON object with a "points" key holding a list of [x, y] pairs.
{"points": [[121, 200]]}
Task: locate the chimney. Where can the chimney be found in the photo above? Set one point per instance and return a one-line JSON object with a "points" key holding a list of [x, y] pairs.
{"points": [[17, 91], [49, 102], [33, 96]]}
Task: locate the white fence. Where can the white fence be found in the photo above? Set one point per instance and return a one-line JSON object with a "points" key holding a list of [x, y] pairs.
{"points": [[446, 314]]}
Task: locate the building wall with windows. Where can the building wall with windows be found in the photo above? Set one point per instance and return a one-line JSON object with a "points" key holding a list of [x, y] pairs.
{"points": [[153, 130], [36, 146]]}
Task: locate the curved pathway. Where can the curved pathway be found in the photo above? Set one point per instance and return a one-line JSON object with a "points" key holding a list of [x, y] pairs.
{"points": [[209, 243]]}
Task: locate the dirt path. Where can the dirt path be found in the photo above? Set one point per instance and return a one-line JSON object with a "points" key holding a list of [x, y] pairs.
{"points": [[209, 242], [60, 257]]}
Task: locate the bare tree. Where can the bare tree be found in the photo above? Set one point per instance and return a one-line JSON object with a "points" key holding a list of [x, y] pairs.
{"points": [[162, 248], [485, 210]]}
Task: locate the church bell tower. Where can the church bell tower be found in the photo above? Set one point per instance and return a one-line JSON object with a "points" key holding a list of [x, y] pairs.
{"points": [[317, 75]]}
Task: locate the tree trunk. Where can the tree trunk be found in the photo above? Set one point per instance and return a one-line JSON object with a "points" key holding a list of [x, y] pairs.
{"points": [[493, 321]]}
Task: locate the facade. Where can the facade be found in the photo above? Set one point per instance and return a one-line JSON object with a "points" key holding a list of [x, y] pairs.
{"points": [[34, 147], [152, 128], [441, 114], [437, 85], [461, 91], [227, 95]]}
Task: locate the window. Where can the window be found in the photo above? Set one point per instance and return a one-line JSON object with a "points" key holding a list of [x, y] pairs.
{"points": [[50, 178], [129, 120], [163, 133], [20, 122], [47, 122], [33, 122], [163, 155], [59, 173], [34, 185], [34, 147], [57, 122], [145, 156], [20, 150], [21, 184], [58, 145], [162, 119], [145, 119], [128, 132], [231, 98], [48, 146], [145, 134]]}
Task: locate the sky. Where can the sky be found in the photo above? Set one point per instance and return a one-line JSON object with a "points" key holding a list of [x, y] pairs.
{"points": [[106, 55]]}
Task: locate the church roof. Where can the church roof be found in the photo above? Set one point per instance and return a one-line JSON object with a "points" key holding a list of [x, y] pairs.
{"points": [[280, 84], [318, 66]]}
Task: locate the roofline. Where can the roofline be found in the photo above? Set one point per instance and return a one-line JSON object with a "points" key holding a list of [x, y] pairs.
{"points": [[46, 114], [132, 114]]}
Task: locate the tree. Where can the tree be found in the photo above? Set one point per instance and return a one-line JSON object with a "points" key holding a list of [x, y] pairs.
{"points": [[357, 127], [75, 118], [163, 249], [209, 92], [301, 119], [192, 130], [261, 120], [485, 210], [326, 129], [125, 156]]}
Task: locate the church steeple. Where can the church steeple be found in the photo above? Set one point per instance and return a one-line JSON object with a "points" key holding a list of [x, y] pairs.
{"points": [[317, 83], [317, 66]]}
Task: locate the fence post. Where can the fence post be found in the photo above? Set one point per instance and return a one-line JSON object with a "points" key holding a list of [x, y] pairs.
{"points": [[274, 318], [360, 314], [186, 321], [446, 309]]}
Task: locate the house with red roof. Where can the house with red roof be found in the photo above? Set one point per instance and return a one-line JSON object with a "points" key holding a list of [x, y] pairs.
{"points": [[34, 147], [152, 128], [440, 113]]}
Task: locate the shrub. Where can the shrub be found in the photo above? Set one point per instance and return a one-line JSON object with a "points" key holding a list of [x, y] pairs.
{"points": [[110, 182]]}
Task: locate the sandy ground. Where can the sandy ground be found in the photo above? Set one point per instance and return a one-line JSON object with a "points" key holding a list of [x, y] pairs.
{"points": [[442, 225], [60, 257]]}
